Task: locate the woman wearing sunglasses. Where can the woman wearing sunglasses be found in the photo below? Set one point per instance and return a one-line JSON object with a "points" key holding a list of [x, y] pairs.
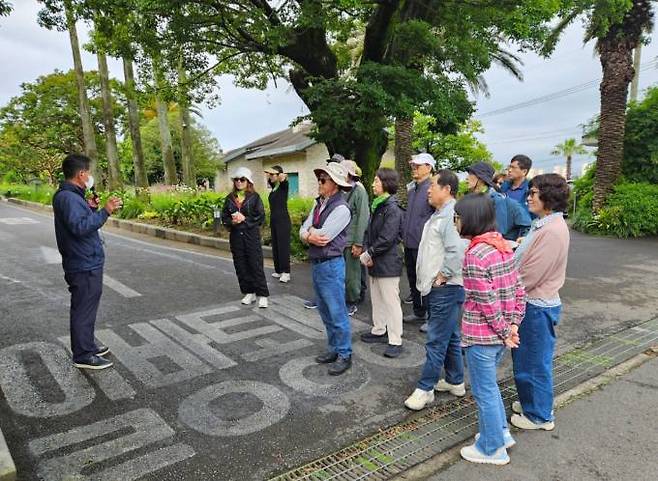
{"points": [[243, 214]]}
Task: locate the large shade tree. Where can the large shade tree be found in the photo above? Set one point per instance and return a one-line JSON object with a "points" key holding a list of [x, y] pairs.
{"points": [[351, 102]]}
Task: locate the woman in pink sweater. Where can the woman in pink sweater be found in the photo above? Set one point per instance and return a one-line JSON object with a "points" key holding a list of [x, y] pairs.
{"points": [[542, 261], [493, 309]]}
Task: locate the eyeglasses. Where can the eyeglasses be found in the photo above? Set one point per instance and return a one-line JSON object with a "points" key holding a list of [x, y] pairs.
{"points": [[322, 179], [533, 192], [240, 179]]}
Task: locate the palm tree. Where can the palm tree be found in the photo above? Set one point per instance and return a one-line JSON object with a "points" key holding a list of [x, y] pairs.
{"points": [[618, 27], [568, 149]]}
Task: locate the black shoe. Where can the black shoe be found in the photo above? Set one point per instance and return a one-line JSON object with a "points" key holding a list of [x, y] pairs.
{"points": [[392, 351], [371, 338], [103, 350], [310, 304], [326, 358], [351, 309], [414, 318], [409, 299], [94, 362], [341, 365]]}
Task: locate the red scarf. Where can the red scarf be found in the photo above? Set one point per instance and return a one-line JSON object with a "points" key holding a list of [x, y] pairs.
{"points": [[494, 239]]}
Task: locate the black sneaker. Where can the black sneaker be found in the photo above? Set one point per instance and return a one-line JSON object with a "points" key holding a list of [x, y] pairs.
{"points": [[103, 350], [341, 365], [392, 351], [409, 299], [310, 305], [94, 362], [326, 358], [371, 338], [351, 309]]}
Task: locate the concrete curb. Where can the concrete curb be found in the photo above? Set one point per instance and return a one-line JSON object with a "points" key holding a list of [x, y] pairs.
{"points": [[7, 466], [152, 230]]}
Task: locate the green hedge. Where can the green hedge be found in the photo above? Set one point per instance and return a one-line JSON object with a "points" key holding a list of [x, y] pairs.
{"points": [[631, 210]]}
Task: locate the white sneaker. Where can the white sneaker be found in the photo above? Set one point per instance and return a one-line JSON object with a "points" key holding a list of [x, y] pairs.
{"points": [[458, 390], [517, 408], [419, 399], [285, 277], [473, 454], [276, 275], [248, 299], [262, 302], [522, 422], [507, 437]]}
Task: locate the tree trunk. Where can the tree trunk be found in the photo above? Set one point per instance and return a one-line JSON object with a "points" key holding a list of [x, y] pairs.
{"points": [[403, 150], [568, 169], [114, 174], [617, 63], [88, 131], [165, 134], [141, 181], [187, 161]]}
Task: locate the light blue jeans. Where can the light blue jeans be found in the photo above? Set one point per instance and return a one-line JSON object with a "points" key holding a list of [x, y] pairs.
{"points": [[329, 286], [482, 361]]}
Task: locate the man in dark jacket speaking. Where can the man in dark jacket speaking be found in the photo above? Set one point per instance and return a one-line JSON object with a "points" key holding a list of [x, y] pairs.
{"points": [[77, 222]]}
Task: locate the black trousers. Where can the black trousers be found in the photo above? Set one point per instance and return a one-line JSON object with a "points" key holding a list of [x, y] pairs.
{"points": [[281, 244], [86, 289], [410, 256], [248, 261]]}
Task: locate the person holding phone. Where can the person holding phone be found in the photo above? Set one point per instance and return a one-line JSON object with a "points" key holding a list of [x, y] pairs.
{"points": [[77, 222], [243, 214]]}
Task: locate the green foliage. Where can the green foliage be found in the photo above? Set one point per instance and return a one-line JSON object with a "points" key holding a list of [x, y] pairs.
{"points": [[42, 194], [630, 211], [640, 162], [42, 124]]}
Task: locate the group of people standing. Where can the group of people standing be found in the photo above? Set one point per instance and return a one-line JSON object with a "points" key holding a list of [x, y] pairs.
{"points": [[484, 274]]}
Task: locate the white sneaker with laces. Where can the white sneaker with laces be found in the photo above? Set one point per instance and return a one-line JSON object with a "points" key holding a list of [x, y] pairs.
{"points": [[517, 408], [276, 275], [473, 454], [458, 390], [248, 299], [419, 399], [522, 422], [285, 277], [262, 302]]}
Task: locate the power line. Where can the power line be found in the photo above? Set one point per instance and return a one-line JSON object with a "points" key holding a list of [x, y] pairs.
{"points": [[548, 134], [554, 95]]}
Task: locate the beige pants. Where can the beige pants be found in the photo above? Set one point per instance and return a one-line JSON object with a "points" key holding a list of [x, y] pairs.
{"points": [[386, 308]]}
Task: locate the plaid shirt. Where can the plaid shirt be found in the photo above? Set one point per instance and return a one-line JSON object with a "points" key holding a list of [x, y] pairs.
{"points": [[495, 297]]}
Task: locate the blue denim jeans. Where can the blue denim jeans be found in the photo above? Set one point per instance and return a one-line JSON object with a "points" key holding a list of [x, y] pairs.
{"points": [[482, 361], [533, 362], [329, 286], [442, 348]]}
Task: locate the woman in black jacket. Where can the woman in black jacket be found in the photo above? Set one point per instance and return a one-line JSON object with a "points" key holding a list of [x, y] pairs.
{"points": [[243, 214], [383, 258], [279, 222]]}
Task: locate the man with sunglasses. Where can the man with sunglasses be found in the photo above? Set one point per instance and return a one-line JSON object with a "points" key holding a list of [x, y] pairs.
{"points": [[325, 231]]}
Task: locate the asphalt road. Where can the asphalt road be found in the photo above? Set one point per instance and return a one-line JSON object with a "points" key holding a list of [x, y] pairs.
{"points": [[204, 388]]}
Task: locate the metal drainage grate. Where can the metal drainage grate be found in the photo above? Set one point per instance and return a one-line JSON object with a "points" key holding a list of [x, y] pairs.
{"points": [[398, 448]]}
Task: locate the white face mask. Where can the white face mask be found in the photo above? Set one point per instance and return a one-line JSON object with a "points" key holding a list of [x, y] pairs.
{"points": [[90, 182]]}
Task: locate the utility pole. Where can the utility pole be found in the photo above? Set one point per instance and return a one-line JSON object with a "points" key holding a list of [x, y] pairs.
{"points": [[637, 54]]}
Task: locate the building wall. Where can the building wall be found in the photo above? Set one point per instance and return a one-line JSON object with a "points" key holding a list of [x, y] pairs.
{"points": [[223, 178]]}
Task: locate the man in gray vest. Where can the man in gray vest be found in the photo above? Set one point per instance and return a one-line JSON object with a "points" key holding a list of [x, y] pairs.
{"points": [[325, 231]]}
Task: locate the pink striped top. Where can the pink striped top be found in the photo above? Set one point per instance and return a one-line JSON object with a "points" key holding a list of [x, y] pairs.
{"points": [[495, 297]]}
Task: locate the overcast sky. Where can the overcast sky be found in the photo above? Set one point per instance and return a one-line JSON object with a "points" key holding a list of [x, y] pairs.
{"points": [[28, 51]]}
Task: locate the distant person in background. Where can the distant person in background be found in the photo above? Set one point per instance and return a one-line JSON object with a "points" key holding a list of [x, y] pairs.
{"points": [[418, 211], [383, 259], [77, 222], [516, 186], [493, 309], [243, 214], [512, 220], [280, 224], [357, 201], [499, 179], [542, 260]]}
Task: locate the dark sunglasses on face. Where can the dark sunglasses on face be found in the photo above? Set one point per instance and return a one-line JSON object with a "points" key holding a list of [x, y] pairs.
{"points": [[322, 179], [240, 179]]}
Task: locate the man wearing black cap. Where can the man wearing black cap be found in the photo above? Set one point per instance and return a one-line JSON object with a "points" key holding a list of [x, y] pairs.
{"points": [[512, 221]]}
